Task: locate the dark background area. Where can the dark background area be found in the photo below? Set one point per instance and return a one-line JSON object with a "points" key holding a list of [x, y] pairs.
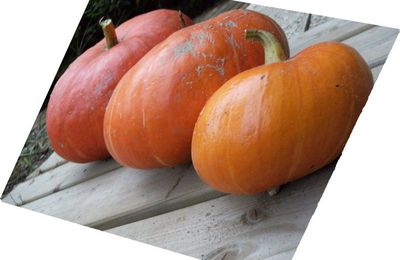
{"points": [[89, 33], [37, 147]]}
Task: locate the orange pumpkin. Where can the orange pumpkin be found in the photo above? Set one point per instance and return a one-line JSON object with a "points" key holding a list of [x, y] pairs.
{"points": [[150, 118], [278, 122], [77, 104]]}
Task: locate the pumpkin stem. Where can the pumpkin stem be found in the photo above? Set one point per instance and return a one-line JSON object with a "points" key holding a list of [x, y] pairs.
{"points": [[109, 32], [181, 19], [272, 48], [274, 190]]}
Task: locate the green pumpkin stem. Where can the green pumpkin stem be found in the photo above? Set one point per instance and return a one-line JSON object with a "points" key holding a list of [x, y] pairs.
{"points": [[109, 32], [272, 48]]}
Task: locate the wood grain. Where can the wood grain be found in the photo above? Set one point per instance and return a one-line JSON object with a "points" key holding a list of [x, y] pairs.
{"points": [[374, 44], [375, 71], [241, 227], [291, 22], [333, 30], [172, 208], [52, 162], [125, 195], [57, 179]]}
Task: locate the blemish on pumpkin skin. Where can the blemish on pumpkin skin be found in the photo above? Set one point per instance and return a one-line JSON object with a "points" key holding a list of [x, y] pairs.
{"points": [[231, 24], [204, 55], [209, 26], [219, 67], [199, 69], [184, 48], [226, 17], [143, 118], [189, 45], [103, 88], [160, 161], [232, 41], [202, 37]]}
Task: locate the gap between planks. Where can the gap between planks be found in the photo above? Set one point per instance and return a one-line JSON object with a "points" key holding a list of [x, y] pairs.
{"points": [[91, 198], [125, 195], [332, 30], [55, 160], [57, 179], [51, 163], [292, 23], [127, 215], [237, 226]]}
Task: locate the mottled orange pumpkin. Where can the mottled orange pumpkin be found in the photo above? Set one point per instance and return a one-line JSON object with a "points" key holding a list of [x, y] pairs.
{"points": [[77, 104], [150, 118], [278, 122]]}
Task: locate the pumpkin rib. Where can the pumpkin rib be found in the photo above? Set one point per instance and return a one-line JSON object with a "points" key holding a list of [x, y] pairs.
{"points": [[309, 119], [299, 146], [179, 75], [75, 113], [228, 157], [111, 145], [146, 135], [347, 129]]}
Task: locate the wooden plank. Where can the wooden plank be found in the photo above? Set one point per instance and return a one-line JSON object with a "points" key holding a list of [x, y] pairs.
{"points": [[251, 227], [291, 22], [333, 30], [285, 255], [317, 20], [52, 162], [57, 179], [9, 200], [115, 210], [375, 71], [126, 195], [338, 30], [374, 44]]}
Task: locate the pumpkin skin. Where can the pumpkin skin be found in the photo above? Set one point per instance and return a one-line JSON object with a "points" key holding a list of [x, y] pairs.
{"points": [[151, 115], [279, 122], [77, 104]]}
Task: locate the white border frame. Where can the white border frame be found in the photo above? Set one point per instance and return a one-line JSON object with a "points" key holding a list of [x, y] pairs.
{"points": [[357, 218]]}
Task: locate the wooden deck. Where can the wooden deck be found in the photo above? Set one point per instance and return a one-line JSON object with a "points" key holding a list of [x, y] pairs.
{"points": [[171, 208]]}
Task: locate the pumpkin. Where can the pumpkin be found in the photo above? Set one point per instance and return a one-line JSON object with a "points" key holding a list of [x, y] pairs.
{"points": [[280, 121], [150, 118], [77, 104]]}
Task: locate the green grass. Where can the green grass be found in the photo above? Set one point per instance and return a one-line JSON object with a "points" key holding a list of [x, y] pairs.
{"points": [[36, 150]]}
